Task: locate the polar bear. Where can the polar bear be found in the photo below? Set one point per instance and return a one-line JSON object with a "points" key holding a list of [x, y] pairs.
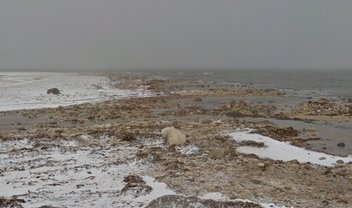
{"points": [[173, 136]]}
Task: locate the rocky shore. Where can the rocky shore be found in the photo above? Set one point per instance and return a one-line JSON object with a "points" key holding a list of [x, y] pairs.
{"points": [[62, 156]]}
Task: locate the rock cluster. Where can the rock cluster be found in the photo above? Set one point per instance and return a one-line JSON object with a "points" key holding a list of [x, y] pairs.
{"points": [[13, 202], [323, 107], [243, 109]]}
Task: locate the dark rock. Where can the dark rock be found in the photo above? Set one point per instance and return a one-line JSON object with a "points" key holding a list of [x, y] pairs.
{"points": [[339, 161], [341, 144], [54, 91], [252, 143], [11, 202], [175, 201], [128, 137], [22, 129], [325, 202], [235, 114], [198, 99], [133, 179], [135, 186]]}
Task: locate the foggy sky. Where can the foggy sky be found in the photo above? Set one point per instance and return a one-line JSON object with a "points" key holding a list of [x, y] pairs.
{"points": [[106, 34]]}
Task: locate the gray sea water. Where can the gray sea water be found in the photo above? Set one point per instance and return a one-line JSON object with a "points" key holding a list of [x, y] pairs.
{"points": [[330, 83]]}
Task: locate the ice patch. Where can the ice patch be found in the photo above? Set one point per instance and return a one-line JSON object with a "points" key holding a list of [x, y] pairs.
{"points": [[216, 196], [284, 151]]}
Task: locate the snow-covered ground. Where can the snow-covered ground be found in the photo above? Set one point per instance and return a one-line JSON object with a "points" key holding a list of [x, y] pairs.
{"points": [[28, 90], [85, 172], [216, 196], [65, 174], [284, 151]]}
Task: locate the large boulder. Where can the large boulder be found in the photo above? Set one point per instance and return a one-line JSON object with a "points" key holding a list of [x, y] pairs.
{"points": [[54, 91]]}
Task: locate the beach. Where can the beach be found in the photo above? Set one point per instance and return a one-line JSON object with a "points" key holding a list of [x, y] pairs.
{"points": [[248, 144]]}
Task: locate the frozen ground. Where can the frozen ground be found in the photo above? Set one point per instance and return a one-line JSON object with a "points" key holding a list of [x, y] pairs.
{"points": [[66, 174], [88, 171], [28, 90], [277, 150]]}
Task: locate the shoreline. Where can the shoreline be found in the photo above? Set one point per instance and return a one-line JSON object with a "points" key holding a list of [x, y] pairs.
{"points": [[204, 111]]}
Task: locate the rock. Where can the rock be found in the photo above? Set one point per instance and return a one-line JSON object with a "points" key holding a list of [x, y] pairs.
{"points": [[135, 186], [133, 179], [128, 137], [341, 144], [322, 158], [294, 162], [22, 129], [262, 166], [325, 202], [252, 143], [54, 91], [342, 172], [217, 154], [198, 99], [12, 202], [339, 161], [176, 201]]}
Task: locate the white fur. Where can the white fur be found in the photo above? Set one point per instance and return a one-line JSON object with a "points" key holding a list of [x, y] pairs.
{"points": [[173, 136]]}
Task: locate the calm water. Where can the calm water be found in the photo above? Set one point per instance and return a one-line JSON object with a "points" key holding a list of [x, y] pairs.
{"points": [[325, 83]]}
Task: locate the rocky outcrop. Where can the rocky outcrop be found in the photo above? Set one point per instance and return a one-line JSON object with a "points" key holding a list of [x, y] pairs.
{"points": [[322, 107], [176, 201], [53, 91], [12, 202]]}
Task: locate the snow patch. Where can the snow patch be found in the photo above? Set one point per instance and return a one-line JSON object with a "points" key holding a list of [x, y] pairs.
{"points": [[28, 90], [188, 149], [284, 151]]}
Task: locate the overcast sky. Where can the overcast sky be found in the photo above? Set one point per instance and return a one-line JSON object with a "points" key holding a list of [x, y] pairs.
{"points": [[100, 34]]}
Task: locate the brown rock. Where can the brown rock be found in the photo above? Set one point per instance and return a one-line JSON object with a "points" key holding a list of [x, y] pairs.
{"points": [[217, 154], [252, 143], [128, 137]]}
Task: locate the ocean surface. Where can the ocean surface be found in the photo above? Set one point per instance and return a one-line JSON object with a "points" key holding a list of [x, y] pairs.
{"points": [[329, 83], [28, 90]]}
